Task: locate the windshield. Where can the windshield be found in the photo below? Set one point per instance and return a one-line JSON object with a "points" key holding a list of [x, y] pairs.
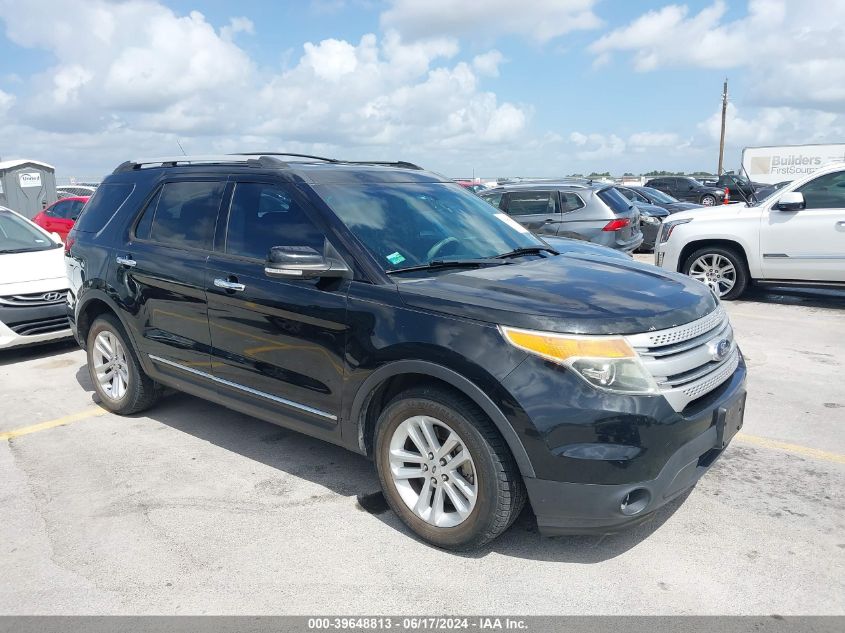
{"points": [[658, 196], [18, 236], [414, 224]]}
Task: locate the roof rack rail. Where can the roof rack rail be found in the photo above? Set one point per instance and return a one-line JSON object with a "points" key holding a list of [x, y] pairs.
{"points": [[385, 163], [251, 159], [328, 160], [210, 159]]}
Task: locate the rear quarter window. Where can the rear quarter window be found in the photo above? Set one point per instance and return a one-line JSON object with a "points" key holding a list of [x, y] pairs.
{"points": [[615, 200], [102, 206]]}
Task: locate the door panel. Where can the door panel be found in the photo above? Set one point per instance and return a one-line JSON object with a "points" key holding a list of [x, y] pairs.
{"points": [[538, 211], [276, 341], [281, 338], [162, 270], [808, 244]]}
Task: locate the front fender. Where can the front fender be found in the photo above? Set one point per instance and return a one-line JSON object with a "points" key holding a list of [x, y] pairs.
{"points": [[369, 387]]}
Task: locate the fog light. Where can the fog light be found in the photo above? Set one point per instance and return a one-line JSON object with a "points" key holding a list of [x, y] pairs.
{"points": [[635, 502]]}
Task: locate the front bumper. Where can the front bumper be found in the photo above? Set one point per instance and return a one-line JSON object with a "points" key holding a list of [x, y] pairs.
{"points": [[28, 326], [588, 508]]}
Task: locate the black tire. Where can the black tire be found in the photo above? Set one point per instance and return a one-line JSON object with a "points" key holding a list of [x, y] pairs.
{"points": [[738, 261], [141, 391], [708, 200], [501, 492]]}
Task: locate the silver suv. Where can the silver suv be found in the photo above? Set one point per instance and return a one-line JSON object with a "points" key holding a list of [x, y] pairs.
{"points": [[583, 210]]}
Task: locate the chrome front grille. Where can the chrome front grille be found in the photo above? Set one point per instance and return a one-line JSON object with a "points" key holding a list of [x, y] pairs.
{"points": [[690, 360], [34, 299]]}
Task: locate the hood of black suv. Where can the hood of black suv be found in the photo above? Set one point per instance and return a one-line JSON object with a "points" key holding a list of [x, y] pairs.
{"points": [[567, 293]]}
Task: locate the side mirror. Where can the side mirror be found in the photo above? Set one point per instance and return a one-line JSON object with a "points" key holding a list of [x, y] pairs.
{"points": [[302, 262], [790, 201]]}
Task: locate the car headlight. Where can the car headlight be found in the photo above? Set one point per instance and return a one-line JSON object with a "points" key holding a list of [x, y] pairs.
{"points": [[605, 362], [668, 227]]}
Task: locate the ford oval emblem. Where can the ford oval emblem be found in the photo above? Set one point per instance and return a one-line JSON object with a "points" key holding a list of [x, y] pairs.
{"points": [[719, 349]]}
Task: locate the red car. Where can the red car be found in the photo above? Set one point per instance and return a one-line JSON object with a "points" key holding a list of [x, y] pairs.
{"points": [[60, 216]]}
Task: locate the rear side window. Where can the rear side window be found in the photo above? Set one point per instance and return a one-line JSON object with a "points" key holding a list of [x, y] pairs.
{"points": [[570, 201], [531, 203], [494, 198], [615, 200], [182, 214], [263, 216], [102, 206]]}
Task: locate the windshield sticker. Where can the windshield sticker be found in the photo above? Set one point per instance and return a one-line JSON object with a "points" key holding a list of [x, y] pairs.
{"points": [[511, 223], [395, 258]]}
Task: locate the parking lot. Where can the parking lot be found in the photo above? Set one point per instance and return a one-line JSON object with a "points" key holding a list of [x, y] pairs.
{"points": [[196, 509]]}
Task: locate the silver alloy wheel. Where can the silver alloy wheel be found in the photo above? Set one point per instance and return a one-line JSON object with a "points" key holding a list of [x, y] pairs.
{"points": [[433, 471], [716, 271], [110, 365], [708, 201]]}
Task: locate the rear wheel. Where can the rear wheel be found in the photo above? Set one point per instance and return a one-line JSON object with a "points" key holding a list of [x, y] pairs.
{"points": [[117, 376], [720, 268], [445, 471]]}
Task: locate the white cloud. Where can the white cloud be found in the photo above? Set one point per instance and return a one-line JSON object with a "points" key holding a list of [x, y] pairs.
{"points": [[774, 126], [237, 25], [538, 20], [654, 139], [792, 49], [590, 147], [145, 76], [488, 63]]}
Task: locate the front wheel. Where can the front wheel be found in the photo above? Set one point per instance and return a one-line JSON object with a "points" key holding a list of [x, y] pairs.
{"points": [[445, 470], [720, 268], [708, 200]]}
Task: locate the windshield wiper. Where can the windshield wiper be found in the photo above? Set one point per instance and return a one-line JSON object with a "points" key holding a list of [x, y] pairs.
{"points": [[449, 263], [527, 250]]}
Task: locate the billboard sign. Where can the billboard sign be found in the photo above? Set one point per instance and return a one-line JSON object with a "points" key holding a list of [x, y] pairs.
{"points": [[788, 162]]}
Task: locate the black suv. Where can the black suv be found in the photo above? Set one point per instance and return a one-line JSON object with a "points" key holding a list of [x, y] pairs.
{"points": [[392, 312], [689, 189]]}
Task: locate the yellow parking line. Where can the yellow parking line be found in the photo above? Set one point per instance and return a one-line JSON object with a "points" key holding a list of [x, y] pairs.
{"points": [[792, 448], [41, 426]]}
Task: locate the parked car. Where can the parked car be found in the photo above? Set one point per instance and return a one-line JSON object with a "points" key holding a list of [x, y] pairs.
{"points": [[580, 248], [583, 210], [739, 187], [689, 189], [33, 285], [59, 217], [796, 236], [657, 198], [73, 191], [766, 190], [396, 314], [651, 216]]}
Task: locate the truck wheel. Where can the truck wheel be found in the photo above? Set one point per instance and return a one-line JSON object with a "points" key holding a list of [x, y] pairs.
{"points": [[445, 470], [118, 379], [723, 269], [708, 200]]}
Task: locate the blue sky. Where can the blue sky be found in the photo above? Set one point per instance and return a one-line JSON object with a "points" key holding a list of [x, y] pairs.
{"points": [[553, 87]]}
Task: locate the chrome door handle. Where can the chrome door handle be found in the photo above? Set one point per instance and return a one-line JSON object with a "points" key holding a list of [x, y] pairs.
{"points": [[229, 285], [125, 261]]}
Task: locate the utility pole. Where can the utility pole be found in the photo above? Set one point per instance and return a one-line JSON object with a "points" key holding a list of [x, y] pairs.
{"points": [[722, 136]]}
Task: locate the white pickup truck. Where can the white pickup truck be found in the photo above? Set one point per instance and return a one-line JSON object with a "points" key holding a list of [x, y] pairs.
{"points": [[795, 236]]}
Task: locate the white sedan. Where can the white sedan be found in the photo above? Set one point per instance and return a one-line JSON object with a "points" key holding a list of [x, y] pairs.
{"points": [[33, 284]]}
